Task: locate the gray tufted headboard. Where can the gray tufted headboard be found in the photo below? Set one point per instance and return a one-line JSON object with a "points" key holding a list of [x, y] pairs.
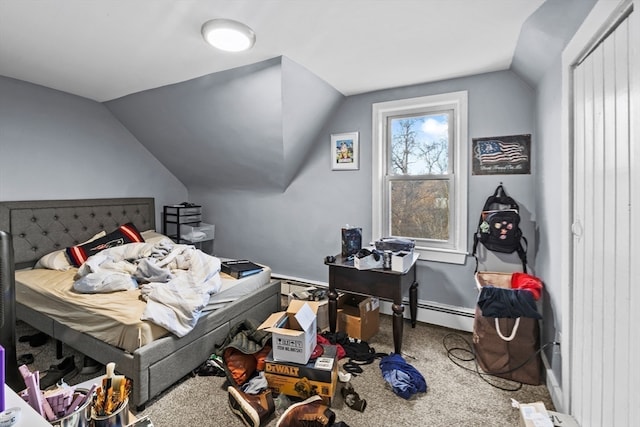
{"points": [[42, 226]]}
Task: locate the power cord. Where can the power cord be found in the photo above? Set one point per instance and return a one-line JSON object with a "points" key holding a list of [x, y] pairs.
{"points": [[466, 354]]}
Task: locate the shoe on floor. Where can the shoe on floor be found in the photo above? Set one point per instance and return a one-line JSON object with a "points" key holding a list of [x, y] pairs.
{"points": [[35, 340], [352, 399], [253, 409], [25, 359], [67, 368], [308, 413], [90, 366]]}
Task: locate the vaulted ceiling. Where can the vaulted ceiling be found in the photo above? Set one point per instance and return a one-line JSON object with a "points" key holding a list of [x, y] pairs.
{"points": [[247, 119], [105, 49]]}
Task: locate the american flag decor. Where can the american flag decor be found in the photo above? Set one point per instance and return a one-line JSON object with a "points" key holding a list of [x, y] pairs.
{"points": [[502, 155]]}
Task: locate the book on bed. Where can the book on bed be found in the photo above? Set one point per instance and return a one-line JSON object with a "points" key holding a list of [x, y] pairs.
{"points": [[240, 268]]}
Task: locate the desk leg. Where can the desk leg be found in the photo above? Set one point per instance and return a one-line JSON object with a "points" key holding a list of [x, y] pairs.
{"points": [[333, 310], [413, 303], [398, 320]]}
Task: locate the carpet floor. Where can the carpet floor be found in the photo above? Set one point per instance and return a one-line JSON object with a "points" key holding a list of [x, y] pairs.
{"points": [[456, 396]]}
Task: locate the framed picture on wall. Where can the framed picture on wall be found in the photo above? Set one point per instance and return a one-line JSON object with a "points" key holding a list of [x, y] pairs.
{"points": [[502, 155], [345, 151]]}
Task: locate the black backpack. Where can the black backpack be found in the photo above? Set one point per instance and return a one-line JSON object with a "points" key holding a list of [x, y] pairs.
{"points": [[499, 227]]}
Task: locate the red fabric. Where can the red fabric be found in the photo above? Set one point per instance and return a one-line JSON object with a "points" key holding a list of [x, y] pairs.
{"points": [[340, 349], [527, 282], [242, 366]]}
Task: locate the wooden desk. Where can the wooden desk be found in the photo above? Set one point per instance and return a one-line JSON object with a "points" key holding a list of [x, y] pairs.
{"points": [[384, 284]]}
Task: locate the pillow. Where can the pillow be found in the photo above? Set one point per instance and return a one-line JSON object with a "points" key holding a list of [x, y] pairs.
{"points": [[58, 260], [152, 236], [124, 234]]}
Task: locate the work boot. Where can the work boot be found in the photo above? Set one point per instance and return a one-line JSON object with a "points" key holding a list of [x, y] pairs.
{"points": [[253, 409], [308, 413]]}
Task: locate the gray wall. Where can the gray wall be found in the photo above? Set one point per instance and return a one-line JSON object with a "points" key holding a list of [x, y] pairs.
{"points": [[59, 146], [548, 193], [292, 231]]}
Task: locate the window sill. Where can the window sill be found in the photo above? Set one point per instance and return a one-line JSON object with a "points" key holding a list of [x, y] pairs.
{"points": [[449, 256]]}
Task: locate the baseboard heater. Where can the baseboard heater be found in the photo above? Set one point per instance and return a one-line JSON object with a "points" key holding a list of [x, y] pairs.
{"points": [[459, 318]]}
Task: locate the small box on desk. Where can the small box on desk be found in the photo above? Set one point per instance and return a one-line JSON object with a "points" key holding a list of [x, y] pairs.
{"points": [[317, 377], [293, 332], [403, 260], [358, 316]]}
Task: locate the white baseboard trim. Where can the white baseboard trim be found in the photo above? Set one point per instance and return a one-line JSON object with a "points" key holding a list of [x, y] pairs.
{"points": [[459, 318], [449, 316], [553, 385]]}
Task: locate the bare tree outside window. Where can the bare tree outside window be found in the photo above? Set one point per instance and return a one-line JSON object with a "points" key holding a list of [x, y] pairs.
{"points": [[419, 169]]}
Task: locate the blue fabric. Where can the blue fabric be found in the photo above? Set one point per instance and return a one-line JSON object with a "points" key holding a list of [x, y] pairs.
{"points": [[405, 380]]}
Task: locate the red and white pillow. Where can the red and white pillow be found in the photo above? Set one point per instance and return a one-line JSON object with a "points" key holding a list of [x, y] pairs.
{"points": [[127, 233]]}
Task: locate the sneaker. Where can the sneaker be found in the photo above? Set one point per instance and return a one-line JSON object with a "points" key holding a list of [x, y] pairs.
{"points": [[308, 413], [67, 368], [253, 409]]}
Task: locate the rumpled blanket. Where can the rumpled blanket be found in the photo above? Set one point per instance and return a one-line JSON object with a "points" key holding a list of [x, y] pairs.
{"points": [[175, 280], [404, 379]]}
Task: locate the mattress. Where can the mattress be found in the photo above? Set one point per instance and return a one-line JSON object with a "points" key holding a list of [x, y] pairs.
{"points": [[113, 318]]}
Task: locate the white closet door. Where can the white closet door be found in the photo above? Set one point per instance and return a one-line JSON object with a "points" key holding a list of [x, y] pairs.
{"points": [[603, 328]]}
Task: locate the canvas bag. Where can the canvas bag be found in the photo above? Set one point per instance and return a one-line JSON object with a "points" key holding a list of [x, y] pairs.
{"points": [[506, 347]]}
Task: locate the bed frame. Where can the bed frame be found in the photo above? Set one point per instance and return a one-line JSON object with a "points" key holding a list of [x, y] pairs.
{"points": [[42, 226]]}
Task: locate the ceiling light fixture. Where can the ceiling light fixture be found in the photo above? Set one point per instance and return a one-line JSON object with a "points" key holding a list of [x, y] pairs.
{"points": [[228, 35]]}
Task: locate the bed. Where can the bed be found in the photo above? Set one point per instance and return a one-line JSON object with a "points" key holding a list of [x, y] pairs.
{"points": [[151, 356]]}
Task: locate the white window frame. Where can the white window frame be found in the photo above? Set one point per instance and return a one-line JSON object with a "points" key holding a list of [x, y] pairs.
{"points": [[456, 250]]}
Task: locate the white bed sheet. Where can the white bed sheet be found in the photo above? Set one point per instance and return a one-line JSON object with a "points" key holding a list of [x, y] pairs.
{"points": [[113, 318]]}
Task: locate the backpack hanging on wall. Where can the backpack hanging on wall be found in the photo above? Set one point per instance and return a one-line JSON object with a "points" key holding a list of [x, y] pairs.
{"points": [[499, 227]]}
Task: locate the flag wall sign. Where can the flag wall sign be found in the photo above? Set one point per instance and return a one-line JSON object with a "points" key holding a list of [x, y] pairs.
{"points": [[502, 155]]}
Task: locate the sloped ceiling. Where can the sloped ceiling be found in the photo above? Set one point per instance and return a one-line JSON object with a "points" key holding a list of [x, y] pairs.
{"points": [[248, 121], [545, 34], [249, 127], [106, 49]]}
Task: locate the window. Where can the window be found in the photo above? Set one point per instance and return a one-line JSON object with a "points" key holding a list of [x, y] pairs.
{"points": [[420, 174]]}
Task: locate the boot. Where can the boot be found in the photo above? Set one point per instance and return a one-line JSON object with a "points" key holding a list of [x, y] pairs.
{"points": [[253, 409], [309, 413]]}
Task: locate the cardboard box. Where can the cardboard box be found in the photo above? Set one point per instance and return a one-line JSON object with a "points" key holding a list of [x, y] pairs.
{"points": [[319, 376], [534, 415], [359, 316], [294, 331], [323, 306]]}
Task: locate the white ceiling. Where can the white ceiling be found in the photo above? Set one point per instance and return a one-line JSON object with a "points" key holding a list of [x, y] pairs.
{"points": [[105, 49]]}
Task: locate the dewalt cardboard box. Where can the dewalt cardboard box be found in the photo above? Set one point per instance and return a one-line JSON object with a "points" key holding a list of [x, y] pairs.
{"points": [[293, 332], [319, 376], [358, 316]]}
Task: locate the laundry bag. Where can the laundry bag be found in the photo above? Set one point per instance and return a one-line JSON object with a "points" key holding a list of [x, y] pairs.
{"points": [[506, 330]]}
